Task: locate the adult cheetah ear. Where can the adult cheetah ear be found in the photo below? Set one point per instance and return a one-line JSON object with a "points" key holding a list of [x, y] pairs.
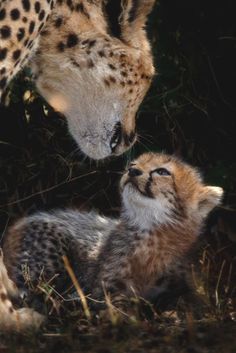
{"points": [[209, 197], [132, 21]]}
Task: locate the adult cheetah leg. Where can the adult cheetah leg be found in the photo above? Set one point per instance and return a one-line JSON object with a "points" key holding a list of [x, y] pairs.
{"points": [[11, 318]]}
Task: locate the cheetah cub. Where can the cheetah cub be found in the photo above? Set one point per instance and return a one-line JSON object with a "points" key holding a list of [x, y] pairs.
{"points": [[164, 204]]}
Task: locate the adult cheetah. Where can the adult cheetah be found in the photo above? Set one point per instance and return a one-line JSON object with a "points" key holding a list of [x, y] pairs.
{"points": [[96, 76]]}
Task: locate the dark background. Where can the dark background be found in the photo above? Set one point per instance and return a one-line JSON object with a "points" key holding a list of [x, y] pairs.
{"points": [[190, 110]]}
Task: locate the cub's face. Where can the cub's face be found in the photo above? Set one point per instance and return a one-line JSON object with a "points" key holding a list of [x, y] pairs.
{"points": [[162, 189]]}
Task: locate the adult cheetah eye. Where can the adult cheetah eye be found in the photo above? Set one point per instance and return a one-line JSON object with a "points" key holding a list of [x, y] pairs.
{"points": [[162, 172]]}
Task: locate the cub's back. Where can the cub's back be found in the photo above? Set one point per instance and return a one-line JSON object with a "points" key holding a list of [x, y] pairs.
{"points": [[34, 246]]}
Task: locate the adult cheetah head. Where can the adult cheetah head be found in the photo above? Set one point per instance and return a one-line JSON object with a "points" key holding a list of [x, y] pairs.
{"points": [[95, 79]]}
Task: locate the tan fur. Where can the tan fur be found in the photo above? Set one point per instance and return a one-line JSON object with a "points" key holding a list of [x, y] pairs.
{"points": [[95, 79], [12, 319], [166, 238], [18, 27], [12, 246]]}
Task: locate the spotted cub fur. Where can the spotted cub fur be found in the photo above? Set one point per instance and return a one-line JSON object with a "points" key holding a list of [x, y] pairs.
{"points": [[96, 78], [164, 204]]}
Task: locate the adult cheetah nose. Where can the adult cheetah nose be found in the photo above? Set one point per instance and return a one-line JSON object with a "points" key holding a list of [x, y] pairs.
{"points": [[121, 138], [133, 172], [116, 137]]}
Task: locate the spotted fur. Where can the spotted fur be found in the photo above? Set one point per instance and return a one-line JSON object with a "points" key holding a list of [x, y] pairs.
{"points": [[164, 204], [97, 80], [24, 318]]}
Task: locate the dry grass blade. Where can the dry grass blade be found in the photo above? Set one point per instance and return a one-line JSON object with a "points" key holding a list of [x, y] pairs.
{"points": [[77, 287], [111, 309], [218, 284]]}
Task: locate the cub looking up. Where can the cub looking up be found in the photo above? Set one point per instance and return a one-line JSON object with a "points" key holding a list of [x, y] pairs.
{"points": [[164, 204]]}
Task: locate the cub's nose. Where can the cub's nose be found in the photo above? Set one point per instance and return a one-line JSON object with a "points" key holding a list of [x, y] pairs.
{"points": [[133, 172]]}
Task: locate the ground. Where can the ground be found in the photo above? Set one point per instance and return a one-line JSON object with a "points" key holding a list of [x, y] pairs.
{"points": [[158, 337]]}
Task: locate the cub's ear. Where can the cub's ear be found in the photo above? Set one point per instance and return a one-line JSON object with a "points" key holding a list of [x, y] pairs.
{"points": [[209, 197], [132, 21]]}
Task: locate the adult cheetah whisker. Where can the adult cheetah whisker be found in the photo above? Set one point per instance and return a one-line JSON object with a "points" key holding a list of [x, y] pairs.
{"points": [[145, 146], [118, 172], [147, 137], [48, 189]]}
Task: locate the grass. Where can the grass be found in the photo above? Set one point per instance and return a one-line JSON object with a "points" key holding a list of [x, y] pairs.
{"points": [[115, 331]]}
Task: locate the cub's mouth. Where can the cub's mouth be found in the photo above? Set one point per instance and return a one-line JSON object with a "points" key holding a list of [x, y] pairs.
{"points": [[147, 192]]}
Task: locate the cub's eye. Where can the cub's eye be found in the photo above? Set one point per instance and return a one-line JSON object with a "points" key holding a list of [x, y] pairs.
{"points": [[162, 171], [132, 165]]}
